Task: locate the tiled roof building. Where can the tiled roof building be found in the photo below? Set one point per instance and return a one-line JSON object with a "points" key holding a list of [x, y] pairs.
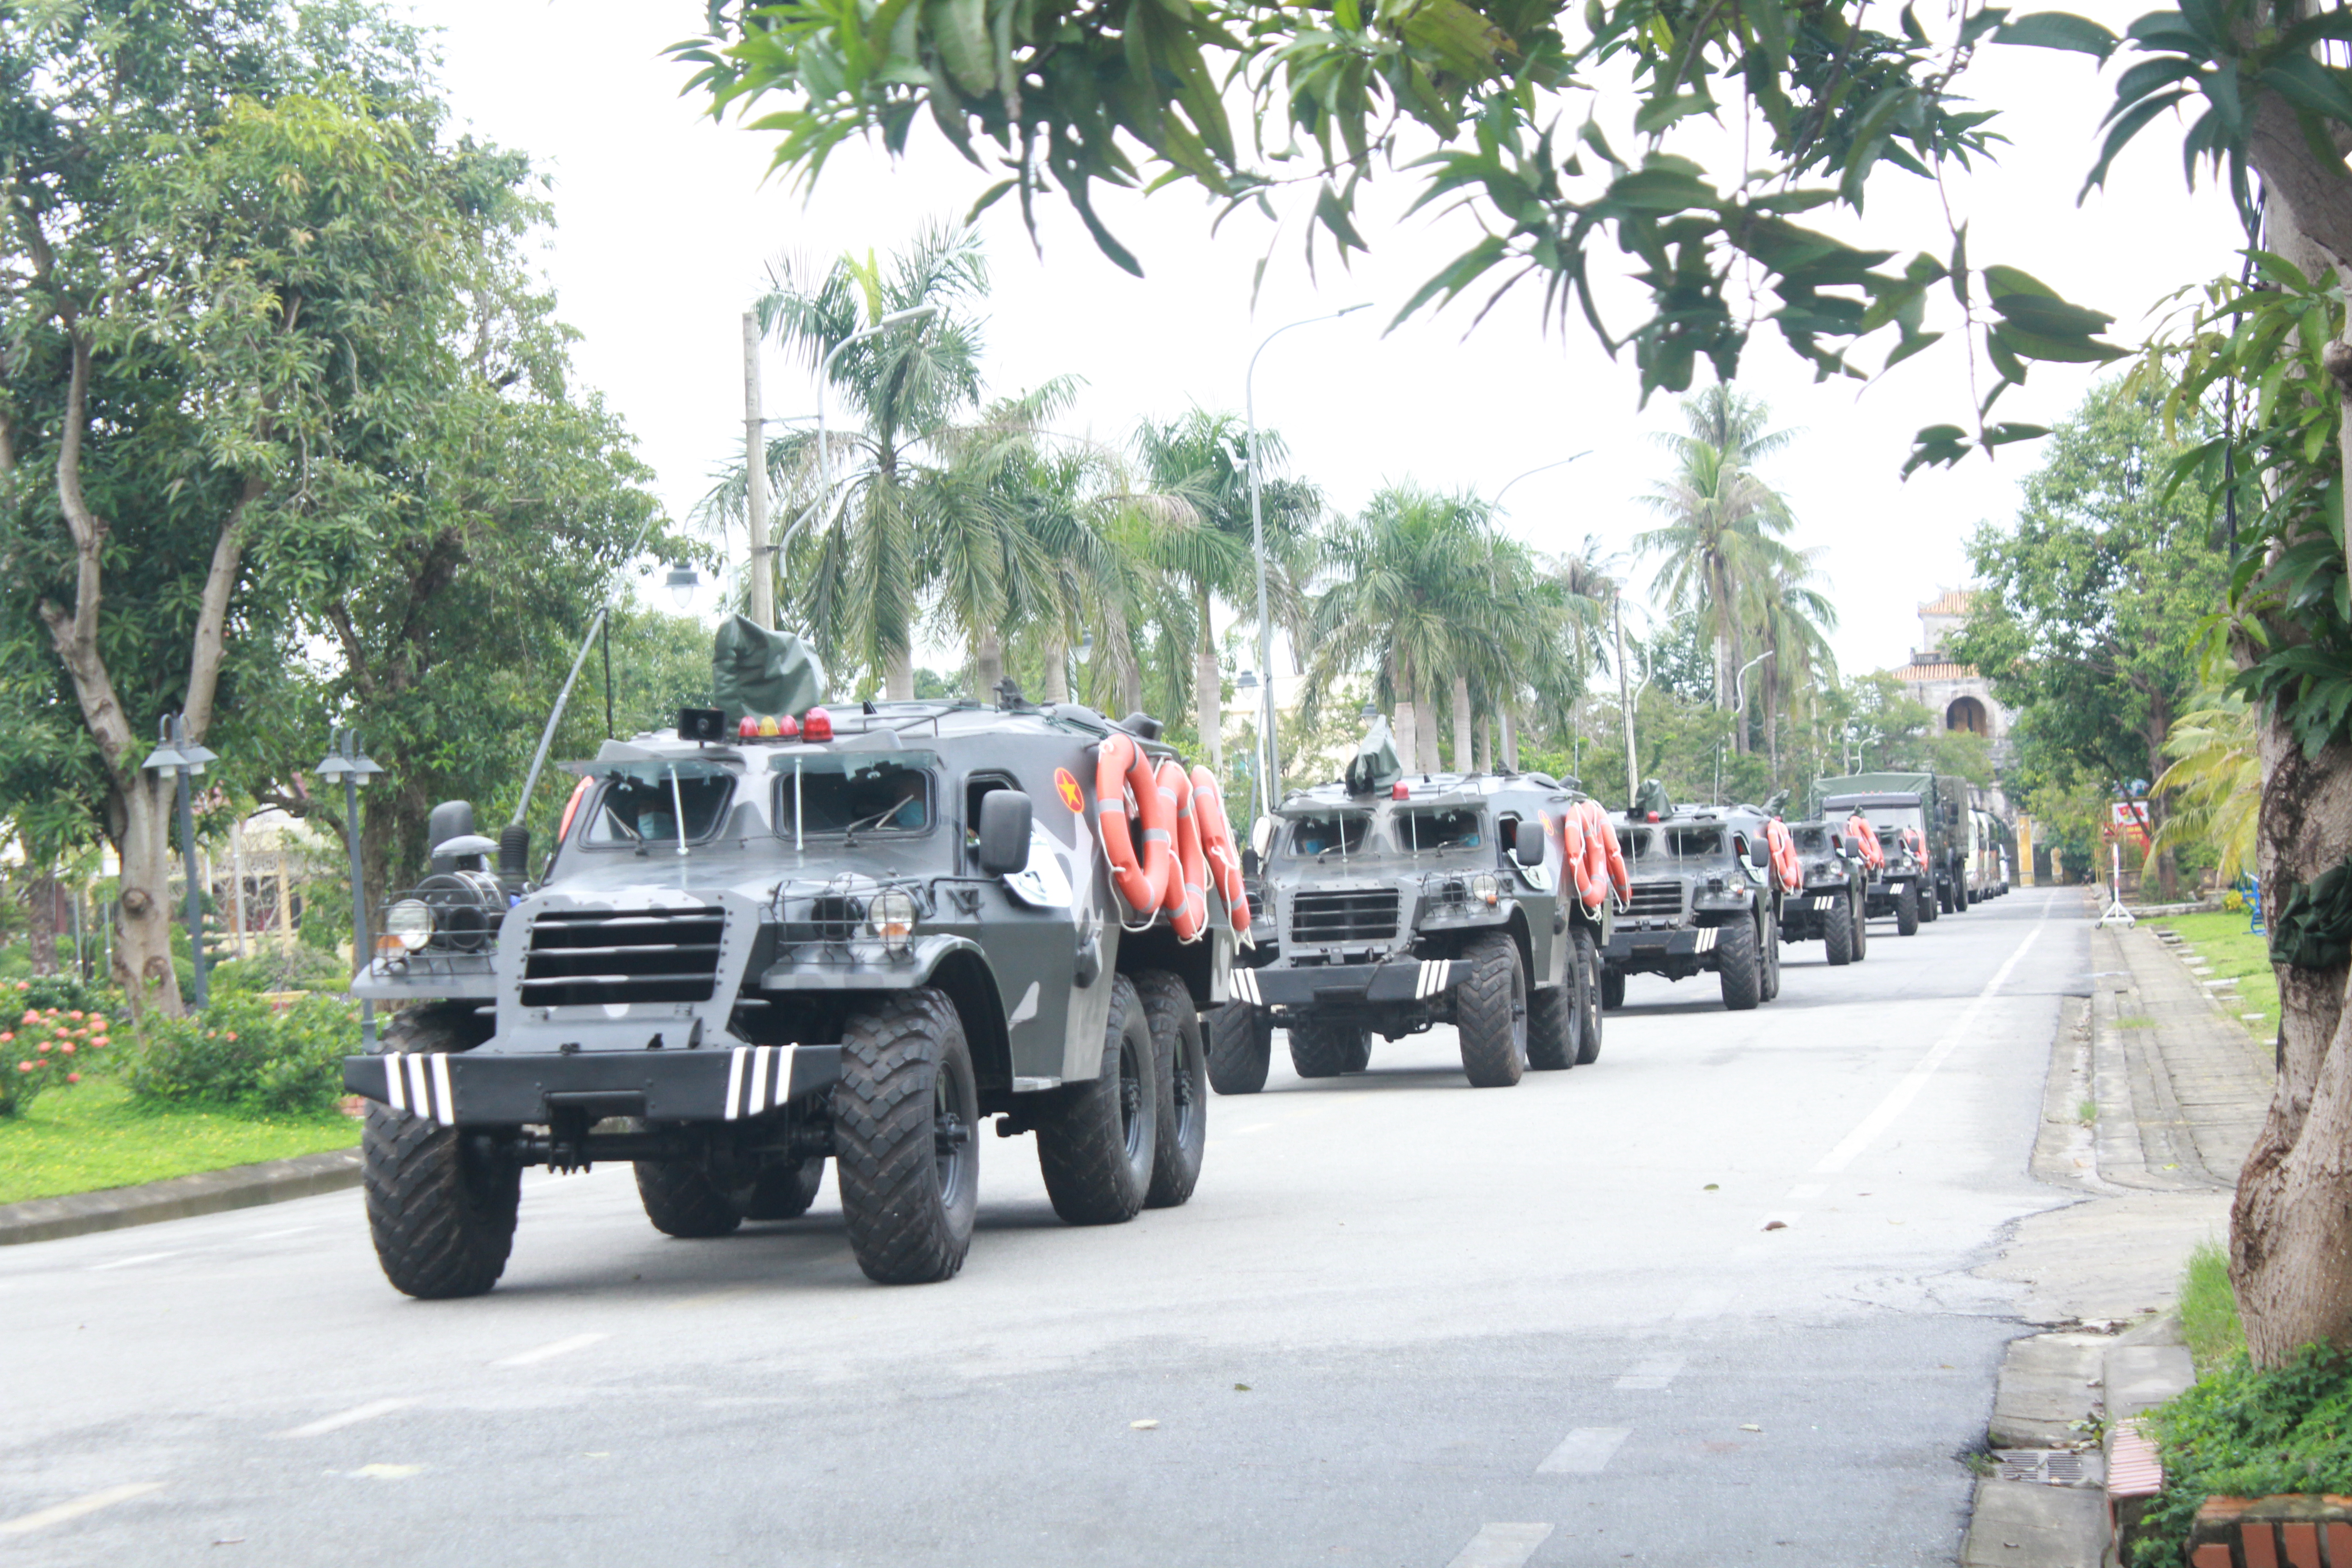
{"points": [[1955, 690]]}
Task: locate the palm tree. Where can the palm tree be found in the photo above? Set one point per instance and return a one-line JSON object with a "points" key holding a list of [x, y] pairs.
{"points": [[1202, 461], [1788, 612], [2215, 781], [1721, 538]]}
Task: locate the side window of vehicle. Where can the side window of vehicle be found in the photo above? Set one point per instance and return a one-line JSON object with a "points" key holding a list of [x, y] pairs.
{"points": [[1506, 834]]}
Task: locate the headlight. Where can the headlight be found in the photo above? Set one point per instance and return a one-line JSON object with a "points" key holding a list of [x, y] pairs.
{"points": [[891, 917], [1483, 887], [409, 922]]}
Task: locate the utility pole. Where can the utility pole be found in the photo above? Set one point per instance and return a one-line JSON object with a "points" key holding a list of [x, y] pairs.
{"points": [[1624, 698], [755, 479]]}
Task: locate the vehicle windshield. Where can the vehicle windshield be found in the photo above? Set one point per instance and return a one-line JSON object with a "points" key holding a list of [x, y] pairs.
{"points": [[1889, 821], [1813, 836], [1666, 845], [1314, 834], [1421, 830], [846, 794], [638, 803]]}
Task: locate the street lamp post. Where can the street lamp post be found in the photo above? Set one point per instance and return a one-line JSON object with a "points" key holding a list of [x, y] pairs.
{"points": [[1739, 714], [1510, 732], [1270, 766], [177, 754], [824, 379], [346, 761]]}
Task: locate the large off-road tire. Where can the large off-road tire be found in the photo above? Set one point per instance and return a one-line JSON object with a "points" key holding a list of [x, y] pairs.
{"points": [[440, 1205], [1906, 913], [1768, 959], [1860, 914], [785, 1192], [1096, 1147], [1739, 966], [906, 1155], [1490, 1013], [1551, 1026], [1240, 1049], [1838, 932], [1180, 1073], [1613, 989], [682, 1200], [1327, 1049], [1584, 965]]}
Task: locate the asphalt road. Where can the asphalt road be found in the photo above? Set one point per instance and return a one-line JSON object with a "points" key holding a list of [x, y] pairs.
{"points": [[1403, 1322]]}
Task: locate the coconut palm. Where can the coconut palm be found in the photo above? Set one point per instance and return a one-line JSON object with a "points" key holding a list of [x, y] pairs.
{"points": [[1202, 462], [2215, 781], [1721, 535], [1789, 613]]}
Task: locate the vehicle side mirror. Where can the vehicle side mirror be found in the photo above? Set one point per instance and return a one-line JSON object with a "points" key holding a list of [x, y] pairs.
{"points": [[1530, 846], [1250, 863], [1004, 833]]}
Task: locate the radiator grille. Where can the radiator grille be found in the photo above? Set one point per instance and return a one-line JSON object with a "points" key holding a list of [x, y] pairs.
{"points": [[1651, 899], [1368, 915], [585, 957]]}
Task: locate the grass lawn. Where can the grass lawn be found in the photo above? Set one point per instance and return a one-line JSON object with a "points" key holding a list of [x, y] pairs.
{"points": [[92, 1135], [2223, 940]]}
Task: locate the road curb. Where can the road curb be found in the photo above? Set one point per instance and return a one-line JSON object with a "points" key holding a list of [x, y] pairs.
{"points": [[180, 1197]]}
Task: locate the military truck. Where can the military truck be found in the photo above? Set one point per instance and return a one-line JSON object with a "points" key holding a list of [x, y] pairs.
{"points": [[760, 944], [1831, 907], [1903, 887], [1940, 817], [1398, 903], [1705, 900]]}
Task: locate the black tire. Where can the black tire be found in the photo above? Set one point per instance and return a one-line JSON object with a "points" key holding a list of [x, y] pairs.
{"points": [[1768, 955], [1326, 1049], [682, 1200], [906, 1116], [1551, 1026], [1584, 960], [785, 1192], [1240, 1049], [1490, 1013], [440, 1205], [1613, 989], [1906, 913], [1859, 913], [1838, 932], [1739, 967], [1096, 1148], [1180, 1079]]}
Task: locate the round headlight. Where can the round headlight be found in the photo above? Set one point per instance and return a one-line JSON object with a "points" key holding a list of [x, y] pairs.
{"points": [[1483, 887], [409, 923], [891, 917]]}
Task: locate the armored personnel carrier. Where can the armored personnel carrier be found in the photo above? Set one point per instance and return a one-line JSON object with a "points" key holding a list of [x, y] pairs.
{"points": [[1399, 902], [1707, 896], [1829, 907], [1905, 885], [766, 940]]}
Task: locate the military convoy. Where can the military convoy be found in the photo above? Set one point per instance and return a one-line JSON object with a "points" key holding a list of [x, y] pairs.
{"points": [[778, 935], [1397, 903], [759, 945]]}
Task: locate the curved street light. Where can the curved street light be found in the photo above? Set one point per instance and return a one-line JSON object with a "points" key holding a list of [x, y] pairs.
{"points": [[1538, 469], [1271, 772]]}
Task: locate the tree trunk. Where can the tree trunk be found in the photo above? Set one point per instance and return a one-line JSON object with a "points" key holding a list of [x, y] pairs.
{"points": [[1208, 685], [1511, 742], [41, 916], [1408, 736], [898, 675], [1461, 723], [1057, 667], [988, 664], [1485, 742], [142, 947]]}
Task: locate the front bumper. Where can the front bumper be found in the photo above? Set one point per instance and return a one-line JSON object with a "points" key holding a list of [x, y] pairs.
{"points": [[1636, 946], [1348, 984], [508, 1088]]}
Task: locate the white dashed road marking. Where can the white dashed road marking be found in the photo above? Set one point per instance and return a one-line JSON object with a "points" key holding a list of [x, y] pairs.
{"points": [[25, 1524], [342, 1419], [280, 1235], [1584, 1452], [1703, 1304], [1501, 1546], [1898, 1098], [1805, 1191], [1656, 1372], [127, 1262], [549, 1351]]}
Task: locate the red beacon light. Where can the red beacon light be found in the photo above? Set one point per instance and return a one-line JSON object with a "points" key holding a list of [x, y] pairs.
{"points": [[788, 728], [749, 730], [816, 725], [1654, 817], [1399, 791]]}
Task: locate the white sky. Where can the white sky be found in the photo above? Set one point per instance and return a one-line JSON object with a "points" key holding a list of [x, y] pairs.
{"points": [[665, 224]]}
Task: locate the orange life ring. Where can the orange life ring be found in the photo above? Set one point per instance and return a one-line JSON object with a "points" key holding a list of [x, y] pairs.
{"points": [[1217, 844], [1118, 767], [579, 792], [1873, 854], [1784, 854], [1915, 844], [1613, 852], [1575, 854], [1186, 898]]}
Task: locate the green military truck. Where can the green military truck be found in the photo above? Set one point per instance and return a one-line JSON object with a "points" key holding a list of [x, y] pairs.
{"points": [[1941, 819]]}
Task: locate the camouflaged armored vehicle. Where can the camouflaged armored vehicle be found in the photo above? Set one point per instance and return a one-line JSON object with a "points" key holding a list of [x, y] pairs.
{"points": [[854, 937], [1705, 900], [1397, 902], [1905, 885], [1830, 907]]}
